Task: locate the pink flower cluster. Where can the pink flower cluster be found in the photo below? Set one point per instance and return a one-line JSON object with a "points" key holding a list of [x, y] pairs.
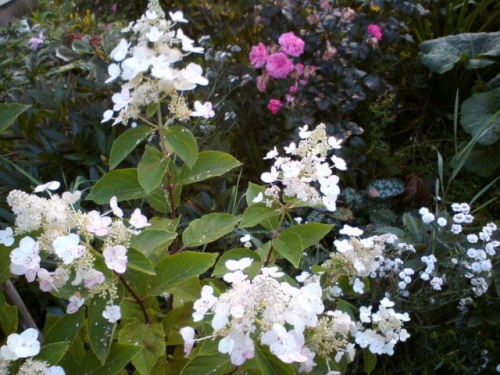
{"points": [[375, 31], [276, 63]]}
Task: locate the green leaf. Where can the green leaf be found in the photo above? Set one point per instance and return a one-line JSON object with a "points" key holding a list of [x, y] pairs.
{"points": [[139, 262], [253, 191], [151, 169], [99, 331], [9, 113], [177, 268], [126, 143], [218, 364], [53, 353], [4, 263], [237, 254], [64, 328], [208, 228], [150, 240], [370, 361], [151, 109], [122, 183], [117, 359], [310, 233], [289, 246], [481, 113], [442, 54], [187, 291], [151, 337], [269, 364], [209, 164], [257, 213], [8, 316], [182, 141]]}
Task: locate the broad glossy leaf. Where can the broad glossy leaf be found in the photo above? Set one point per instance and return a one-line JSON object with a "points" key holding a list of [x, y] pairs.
{"points": [[269, 364], [257, 213], [442, 54], [182, 141], [139, 262], [209, 164], [100, 332], [481, 113], [208, 228], [310, 233], [151, 169], [150, 240], [151, 337], [126, 143], [218, 364], [178, 268], [8, 316], [53, 353], [122, 183], [119, 356], [289, 246], [64, 328]]}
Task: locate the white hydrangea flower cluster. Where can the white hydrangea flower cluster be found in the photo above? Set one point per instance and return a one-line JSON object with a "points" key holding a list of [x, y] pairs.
{"points": [[476, 259], [306, 167], [275, 312], [25, 345], [151, 68], [66, 235], [387, 328]]}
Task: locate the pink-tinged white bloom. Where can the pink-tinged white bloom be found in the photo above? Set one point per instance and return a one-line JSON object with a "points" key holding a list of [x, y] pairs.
{"points": [[334, 143], [275, 106], [138, 220], [45, 280], [271, 154], [279, 65], [21, 346], [272, 271], [202, 305], [351, 231], [238, 345], [375, 31], [75, 302], [107, 115], [115, 258], [92, 277], [113, 203], [68, 248], [234, 265], [189, 77], [291, 44], [270, 177], [188, 43], [35, 42], [177, 16], [204, 110], [120, 51], [258, 55], [25, 260], [97, 224], [71, 197], [187, 334], [114, 72], [55, 370], [339, 163], [112, 313], [359, 286], [283, 344], [259, 198], [7, 237], [53, 185]]}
